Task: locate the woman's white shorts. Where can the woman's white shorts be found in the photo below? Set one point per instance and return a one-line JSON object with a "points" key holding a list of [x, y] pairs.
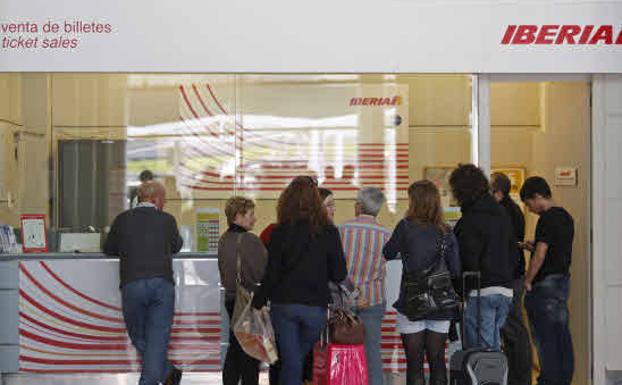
{"points": [[405, 326]]}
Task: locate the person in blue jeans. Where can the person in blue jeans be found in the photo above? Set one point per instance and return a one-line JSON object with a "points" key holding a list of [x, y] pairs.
{"points": [[487, 245], [547, 283], [304, 254], [363, 238], [145, 238]]}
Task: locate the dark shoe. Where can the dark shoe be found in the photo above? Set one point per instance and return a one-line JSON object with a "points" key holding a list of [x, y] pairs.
{"points": [[174, 377]]}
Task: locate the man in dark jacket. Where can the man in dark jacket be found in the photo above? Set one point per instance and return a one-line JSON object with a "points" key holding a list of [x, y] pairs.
{"points": [[514, 333], [145, 238], [487, 246]]}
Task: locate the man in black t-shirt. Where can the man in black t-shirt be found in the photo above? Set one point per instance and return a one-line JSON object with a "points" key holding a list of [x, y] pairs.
{"points": [[514, 333], [547, 283]]}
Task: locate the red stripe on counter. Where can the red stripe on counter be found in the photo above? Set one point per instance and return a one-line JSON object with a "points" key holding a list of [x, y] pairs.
{"points": [[106, 347], [71, 345], [80, 294], [48, 361], [216, 369], [52, 313], [198, 331], [109, 306], [65, 303], [72, 334]]}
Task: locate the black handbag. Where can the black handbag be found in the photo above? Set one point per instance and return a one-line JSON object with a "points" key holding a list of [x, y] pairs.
{"points": [[430, 291]]}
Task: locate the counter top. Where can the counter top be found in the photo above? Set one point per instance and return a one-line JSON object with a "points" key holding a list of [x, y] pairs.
{"points": [[56, 256]]}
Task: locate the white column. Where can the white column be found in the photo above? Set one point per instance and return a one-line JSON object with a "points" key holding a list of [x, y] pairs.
{"points": [[606, 225], [480, 122]]}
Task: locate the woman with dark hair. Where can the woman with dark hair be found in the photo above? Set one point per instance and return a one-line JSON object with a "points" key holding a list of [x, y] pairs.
{"points": [[488, 246], [329, 203], [417, 239], [304, 254]]}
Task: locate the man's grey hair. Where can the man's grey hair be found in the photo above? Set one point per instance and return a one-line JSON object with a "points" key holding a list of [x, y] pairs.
{"points": [[371, 200], [149, 190]]}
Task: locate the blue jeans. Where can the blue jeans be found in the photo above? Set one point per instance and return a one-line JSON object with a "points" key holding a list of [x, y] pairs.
{"points": [[372, 319], [297, 329], [494, 310], [547, 310], [148, 311]]}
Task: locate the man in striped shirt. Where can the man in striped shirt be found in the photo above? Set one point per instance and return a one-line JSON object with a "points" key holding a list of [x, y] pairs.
{"points": [[363, 239]]}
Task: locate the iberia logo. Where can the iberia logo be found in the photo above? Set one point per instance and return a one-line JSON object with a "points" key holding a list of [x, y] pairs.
{"points": [[569, 34], [394, 101]]}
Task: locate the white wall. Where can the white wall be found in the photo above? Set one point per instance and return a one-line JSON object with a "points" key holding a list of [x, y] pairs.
{"points": [[607, 225], [346, 36]]}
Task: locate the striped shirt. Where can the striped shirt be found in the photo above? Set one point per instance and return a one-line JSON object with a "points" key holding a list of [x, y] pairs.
{"points": [[363, 239]]}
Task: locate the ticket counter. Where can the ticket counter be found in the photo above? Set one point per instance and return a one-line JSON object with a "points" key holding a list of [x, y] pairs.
{"points": [[62, 317]]}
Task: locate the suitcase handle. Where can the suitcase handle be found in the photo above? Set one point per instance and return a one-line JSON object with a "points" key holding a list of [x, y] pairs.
{"points": [[478, 278]]}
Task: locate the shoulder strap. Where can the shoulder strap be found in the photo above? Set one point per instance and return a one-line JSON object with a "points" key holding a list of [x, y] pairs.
{"points": [[441, 249], [238, 279], [442, 244]]}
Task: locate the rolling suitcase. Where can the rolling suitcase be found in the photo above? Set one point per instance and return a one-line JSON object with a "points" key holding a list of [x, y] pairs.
{"points": [[476, 365]]}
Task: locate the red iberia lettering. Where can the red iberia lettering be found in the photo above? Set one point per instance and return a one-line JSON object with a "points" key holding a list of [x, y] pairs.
{"points": [[509, 32], [571, 34], [547, 34], [604, 33], [585, 35], [567, 34], [376, 101], [525, 34]]}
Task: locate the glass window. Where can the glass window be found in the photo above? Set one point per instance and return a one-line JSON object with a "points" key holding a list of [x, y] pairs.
{"points": [[74, 145]]}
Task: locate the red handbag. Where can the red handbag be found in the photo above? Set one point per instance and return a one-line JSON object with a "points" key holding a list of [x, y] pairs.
{"points": [[339, 365]]}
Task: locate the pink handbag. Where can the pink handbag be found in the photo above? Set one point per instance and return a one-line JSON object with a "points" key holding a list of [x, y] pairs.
{"points": [[339, 365]]}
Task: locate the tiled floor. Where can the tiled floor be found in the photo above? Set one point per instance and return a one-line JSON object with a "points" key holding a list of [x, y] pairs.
{"points": [[132, 379], [104, 379]]}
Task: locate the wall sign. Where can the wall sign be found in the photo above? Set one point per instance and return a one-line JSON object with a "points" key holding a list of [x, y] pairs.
{"points": [[565, 176], [34, 233], [208, 229]]}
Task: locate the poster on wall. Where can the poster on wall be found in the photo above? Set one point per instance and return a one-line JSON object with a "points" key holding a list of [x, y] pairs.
{"points": [[565, 176], [439, 175], [34, 233], [346, 135], [208, 230]]}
